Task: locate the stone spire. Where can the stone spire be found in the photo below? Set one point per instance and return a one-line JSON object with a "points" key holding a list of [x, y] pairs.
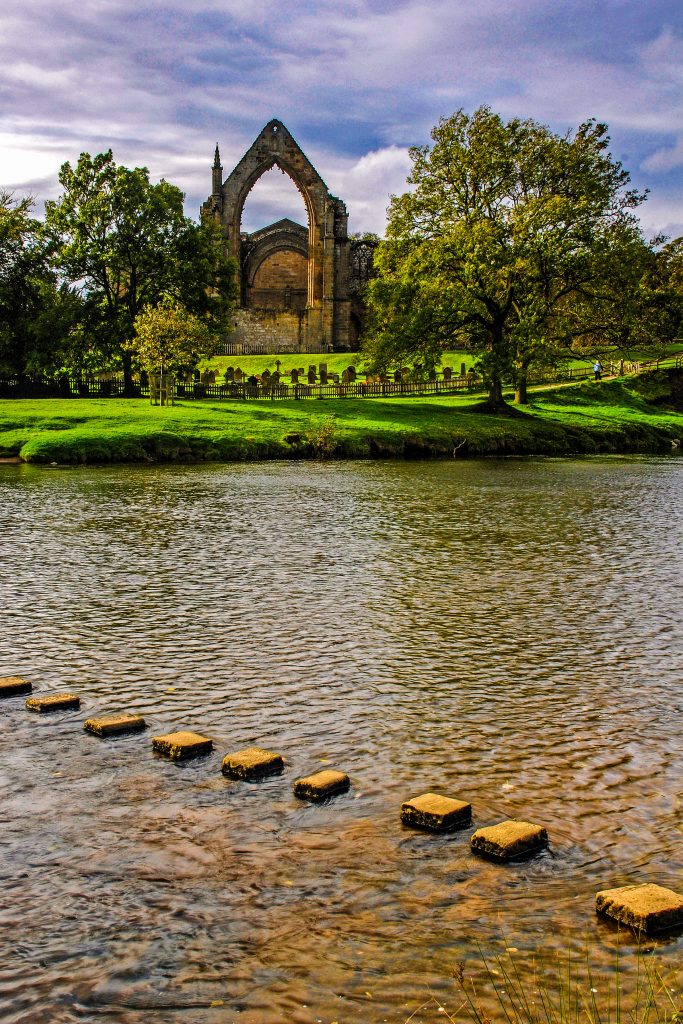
{"points": [[216, 173]]}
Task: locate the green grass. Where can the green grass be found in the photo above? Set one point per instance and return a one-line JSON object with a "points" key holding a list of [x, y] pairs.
{"points": [[337, 362], [563, 989], [610, 416]]}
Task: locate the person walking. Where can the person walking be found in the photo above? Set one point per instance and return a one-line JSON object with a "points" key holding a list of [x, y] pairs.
{"points": [[597, 369]]}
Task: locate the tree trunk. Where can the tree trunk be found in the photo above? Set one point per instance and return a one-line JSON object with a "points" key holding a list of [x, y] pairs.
{"points": [[495, 400], [521, 397], [128, 388]]}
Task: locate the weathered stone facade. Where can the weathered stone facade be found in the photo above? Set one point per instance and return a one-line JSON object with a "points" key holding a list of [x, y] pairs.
{"points": [[299, 286]]}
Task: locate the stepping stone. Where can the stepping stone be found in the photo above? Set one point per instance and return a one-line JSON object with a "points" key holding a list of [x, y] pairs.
{"points": [[321, 785], [509, 839], [55, 702], [10, 686], [435, 813], [180, 746], [252, 763], [115, 725], [647, 908]]}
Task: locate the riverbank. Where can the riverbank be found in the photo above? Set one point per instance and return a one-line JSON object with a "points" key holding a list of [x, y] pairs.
{"points": [[641, 414]]}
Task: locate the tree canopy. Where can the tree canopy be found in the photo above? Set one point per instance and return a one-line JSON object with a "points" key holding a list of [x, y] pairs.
{"points": [[35, 315], [169, 339], [506, 243], [124, 243]]}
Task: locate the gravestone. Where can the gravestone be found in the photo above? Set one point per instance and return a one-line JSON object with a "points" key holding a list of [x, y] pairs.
{"points": [[463, 369], [230, 374], [311, 375], [398, 377], [335, 378], [275, 377], [277, 365], [346, 377], [352, 374], [447, 373], [294, 375], [239, 375], [323, 373], [265, 377]]}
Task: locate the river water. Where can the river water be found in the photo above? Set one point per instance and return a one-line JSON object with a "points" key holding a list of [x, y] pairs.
{"points": [[506, 632]]}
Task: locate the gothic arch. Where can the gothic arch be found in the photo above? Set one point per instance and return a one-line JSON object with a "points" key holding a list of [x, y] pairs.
{"points": [[328, 305]]}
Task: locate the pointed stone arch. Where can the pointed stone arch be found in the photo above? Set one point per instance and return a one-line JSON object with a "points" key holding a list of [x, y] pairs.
{"points": [[328, 308]]}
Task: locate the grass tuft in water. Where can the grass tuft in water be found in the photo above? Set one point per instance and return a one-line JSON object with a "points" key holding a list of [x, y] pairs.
{"points": [[564, 991]]}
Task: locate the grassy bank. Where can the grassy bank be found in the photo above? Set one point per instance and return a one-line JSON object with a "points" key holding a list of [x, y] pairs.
{"points": [[642, 414]]}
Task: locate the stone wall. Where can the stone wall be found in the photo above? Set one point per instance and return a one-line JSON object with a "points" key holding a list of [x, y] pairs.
{"points": [[280, 282], [275, 331], [326, 321]]}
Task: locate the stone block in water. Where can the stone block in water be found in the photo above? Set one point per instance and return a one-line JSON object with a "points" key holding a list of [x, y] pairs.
{"points": [[509, 840], [321, 785], [181, 746], [115, 725], [10, 686], [54, 702], [646, 908], [252, 763], [435, 813]]}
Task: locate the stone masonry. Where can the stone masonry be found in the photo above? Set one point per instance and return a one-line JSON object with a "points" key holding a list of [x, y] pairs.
{"points": [[314, 296]]}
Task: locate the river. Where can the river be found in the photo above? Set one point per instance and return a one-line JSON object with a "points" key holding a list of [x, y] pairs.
{"points": [[503, 631]]}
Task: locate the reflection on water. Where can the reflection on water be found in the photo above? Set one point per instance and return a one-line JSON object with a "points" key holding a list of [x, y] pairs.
{"points": [[506, 632]]}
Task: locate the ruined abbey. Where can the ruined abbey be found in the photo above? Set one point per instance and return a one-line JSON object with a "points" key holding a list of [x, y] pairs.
{"points": [[300, 286]]}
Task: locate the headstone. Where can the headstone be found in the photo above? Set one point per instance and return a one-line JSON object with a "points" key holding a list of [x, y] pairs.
{"points": [[509, 839], [180, 746], [321, 785], [265, 377], [346, 377], [301, 371], [323, 373], [277, 365], [435, 813], [230, 374], [463, 369], [352, 374], [275, 377], [447, 373], [294, 375], [311, 375], [335, 378], [239, 375], [398, 376], [252, 763]]}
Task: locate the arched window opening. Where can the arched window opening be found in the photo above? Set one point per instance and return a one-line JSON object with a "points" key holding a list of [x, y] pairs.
{"points": [[274, 245], [273, 197]]}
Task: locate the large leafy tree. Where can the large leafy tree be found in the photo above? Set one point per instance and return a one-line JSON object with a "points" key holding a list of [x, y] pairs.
{"points": [[126, 243], [35, 315], [507, 232]]}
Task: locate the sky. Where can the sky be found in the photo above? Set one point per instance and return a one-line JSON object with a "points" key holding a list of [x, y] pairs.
{"points": [[355, 81]]}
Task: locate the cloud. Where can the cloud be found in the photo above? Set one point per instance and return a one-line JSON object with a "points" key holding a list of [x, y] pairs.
{"points": [[356, 81]]}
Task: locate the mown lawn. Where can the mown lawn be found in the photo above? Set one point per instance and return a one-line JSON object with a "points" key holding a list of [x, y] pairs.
{"points": [[589, 417], [337, 362]]}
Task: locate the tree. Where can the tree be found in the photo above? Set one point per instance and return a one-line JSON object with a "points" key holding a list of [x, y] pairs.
{"points": [[169, 339], [506, 228], [125, 243], [35, 315]]}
